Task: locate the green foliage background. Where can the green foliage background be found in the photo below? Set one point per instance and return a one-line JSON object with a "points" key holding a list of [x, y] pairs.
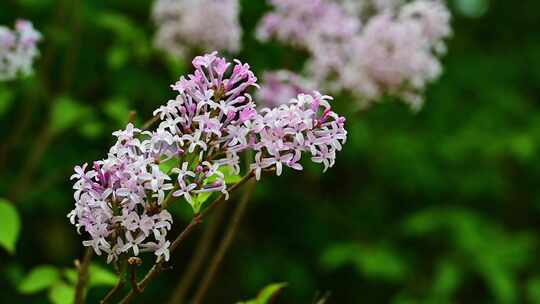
{"points": [[442, 206]]}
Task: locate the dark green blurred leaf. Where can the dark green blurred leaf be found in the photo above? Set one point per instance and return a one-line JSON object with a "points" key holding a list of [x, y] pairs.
{"points": [[100, 276], [447, 279], [118, 109], [117, 57], [66, 114], [373, 261], [6, 99], [92, 129]]}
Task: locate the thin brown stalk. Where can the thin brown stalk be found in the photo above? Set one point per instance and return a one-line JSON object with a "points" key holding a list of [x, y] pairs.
{"points": [[199, 255], [224, 245], [82, 268], [133, 263], [149, 123], [120, 269], [108, 297]]}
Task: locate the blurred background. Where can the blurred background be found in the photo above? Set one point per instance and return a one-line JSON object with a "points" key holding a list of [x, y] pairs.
{"points": [[439, 206]]}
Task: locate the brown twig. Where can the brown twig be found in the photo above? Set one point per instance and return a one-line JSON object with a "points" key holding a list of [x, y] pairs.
{"points": [[82, 268], [112, 292], [120, 268], [132, 116], [224, 245], [197, 219], [197, 258]]}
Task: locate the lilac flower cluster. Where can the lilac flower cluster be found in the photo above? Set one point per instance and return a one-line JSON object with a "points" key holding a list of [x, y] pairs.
{"points": [[200, 25], [306, 125], [121, 201], [18, 49], [371, 49]]}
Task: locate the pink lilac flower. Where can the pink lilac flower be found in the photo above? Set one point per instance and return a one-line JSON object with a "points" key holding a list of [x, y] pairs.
{"points": [[397, 55], [370, 49], [304, 22], [18, 49], [434, 18], [200, 25], [119, 201], [306, 125]]}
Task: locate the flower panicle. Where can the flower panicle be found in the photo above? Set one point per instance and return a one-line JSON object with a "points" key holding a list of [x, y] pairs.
{"points": [[121, 201]]}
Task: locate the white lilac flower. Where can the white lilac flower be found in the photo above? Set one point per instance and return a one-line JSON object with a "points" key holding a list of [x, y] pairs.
{"points": [[200, 25], [119, 202], [18, 49]]}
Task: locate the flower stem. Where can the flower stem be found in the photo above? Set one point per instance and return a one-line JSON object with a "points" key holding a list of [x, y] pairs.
{"points": [[82, 268], [112, 292], [149, 123], [118, 287], [198, 257], [224, 244]]}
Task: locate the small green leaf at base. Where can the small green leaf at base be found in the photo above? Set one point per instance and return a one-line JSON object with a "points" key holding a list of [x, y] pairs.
{"points": [[267, 295], [10, 225], [38, 279], [100, 276], [61, 293]]}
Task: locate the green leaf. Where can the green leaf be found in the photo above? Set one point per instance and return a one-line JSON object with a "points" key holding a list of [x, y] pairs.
{"points": [[100, 276], [61, 293], [66, 113], [91, 129], [267, 295], [229, 176], [117, 57], [447, 279], [122, 27], [71, 275], [10, 225], [199, 200], [38, 279], [167, 166]]}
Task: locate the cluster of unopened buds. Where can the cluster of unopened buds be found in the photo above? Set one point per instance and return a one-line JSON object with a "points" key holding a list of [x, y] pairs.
{"points": [[18, 49], [369, 48], [121, 202]]}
